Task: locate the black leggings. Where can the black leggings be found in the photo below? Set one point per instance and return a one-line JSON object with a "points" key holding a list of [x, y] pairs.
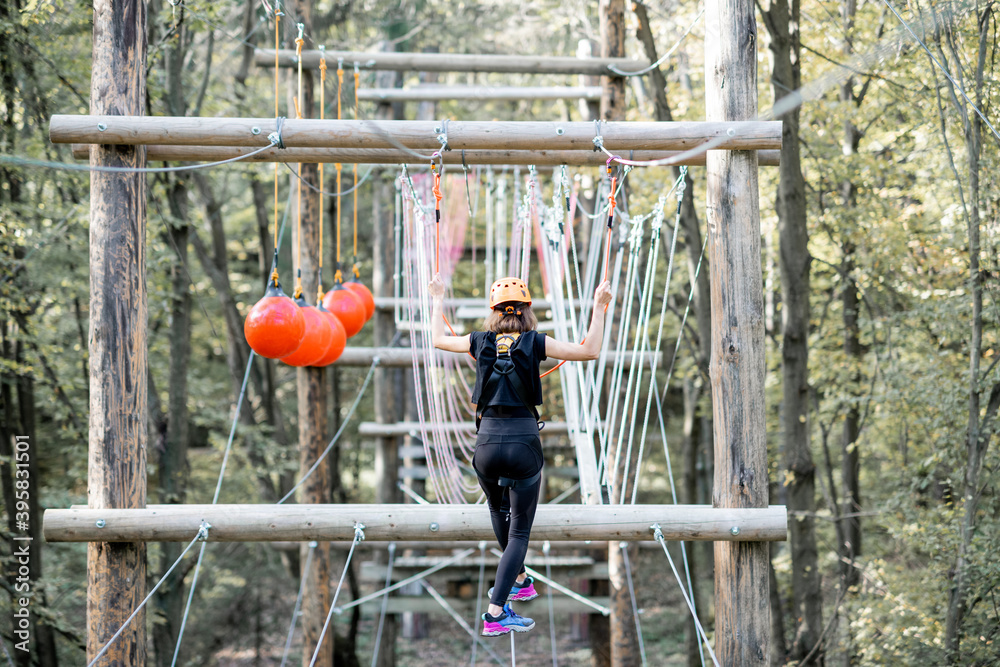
{"points": [[509, 447]]}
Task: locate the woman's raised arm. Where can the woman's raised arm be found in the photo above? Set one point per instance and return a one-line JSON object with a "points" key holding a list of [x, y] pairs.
{"points": [[438, 337], [590, 348]]}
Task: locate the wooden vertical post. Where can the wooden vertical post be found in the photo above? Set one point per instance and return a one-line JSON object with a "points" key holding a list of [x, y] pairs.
{"points": [[311, 386], [388, 381], [116, 478], [742, 612]]}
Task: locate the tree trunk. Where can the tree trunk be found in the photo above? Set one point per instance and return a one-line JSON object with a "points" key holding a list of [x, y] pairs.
{"points": [[849, 545], [782, 20], [173, 463], [977, 435], [389, 398]]}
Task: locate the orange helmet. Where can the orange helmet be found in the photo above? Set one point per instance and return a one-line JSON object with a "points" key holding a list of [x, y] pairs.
{"points": [[509, 289]]}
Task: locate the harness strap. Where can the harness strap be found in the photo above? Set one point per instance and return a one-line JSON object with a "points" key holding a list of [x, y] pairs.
{"points": [[513, 483], [493, 383]]}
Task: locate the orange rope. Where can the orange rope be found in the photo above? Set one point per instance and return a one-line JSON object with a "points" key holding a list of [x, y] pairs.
{"points": [[357, 83], [322, 115], [340, 84], [277, 21], [437, 216], [298, 222]]}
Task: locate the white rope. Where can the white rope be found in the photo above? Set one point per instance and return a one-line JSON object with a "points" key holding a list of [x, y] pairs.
{"points": [[479, 595], [658, 535], [298, 603], [679, 185], [200, 536], [559, 587], [225, 455], [458, 619], [385, 602], [359, 535], [336, 436], [416, 497], [552, 613], [409, 580], [666, 55], [187, 605], [635, 607]]}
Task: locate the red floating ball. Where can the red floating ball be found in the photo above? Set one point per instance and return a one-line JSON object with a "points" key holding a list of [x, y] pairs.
{"points": [[274, 327], [348, 308], [316, 340], [365, 294], [337, 343]]}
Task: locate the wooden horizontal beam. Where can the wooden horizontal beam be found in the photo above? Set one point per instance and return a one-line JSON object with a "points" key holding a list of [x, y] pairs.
{"points": [[451, 545], [374, 429], [377, 571], [400, 357], [394, 156], [484, 93], [268, 523], [424, 604], [413, 134], [452, 62], [423, 472]]}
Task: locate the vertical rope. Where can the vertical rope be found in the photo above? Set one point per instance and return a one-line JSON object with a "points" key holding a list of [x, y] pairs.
{"points": [[552, 612], [322, 181], [479, 596], [385, 602], [277, 112], [359, 535], [298, 603], [340, 87], [299, 41], [357, 83], [635, 608]]}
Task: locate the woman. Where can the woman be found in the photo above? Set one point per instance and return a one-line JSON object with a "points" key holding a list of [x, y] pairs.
{"points": [[508, 457]]}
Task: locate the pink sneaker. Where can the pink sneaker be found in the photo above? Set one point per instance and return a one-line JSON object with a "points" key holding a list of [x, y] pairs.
{"points": [[520, 592], [506, 623]]}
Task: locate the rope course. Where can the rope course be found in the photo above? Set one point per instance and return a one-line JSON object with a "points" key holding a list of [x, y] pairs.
{"points": [[512, 222]]}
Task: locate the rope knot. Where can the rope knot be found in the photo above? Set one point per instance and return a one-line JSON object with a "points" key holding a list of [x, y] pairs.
{"points": [[203, 531], [275, 137]]}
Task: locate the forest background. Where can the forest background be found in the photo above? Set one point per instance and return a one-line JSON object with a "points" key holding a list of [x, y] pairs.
{"points": [[880, 241]]}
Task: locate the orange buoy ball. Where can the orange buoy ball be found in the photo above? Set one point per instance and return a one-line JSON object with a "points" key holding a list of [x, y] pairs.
{"points": [[348, 308], [365, 294], [337, 343], [274, 327], [316, 340]]}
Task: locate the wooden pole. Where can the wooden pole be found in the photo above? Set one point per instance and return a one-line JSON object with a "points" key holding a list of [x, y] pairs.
{"points": [[453, 62], [436, 93], [388, 381], [539, 158], [116, 477], [375, 429], [401, 357], [742, 612], [414, 134], [274, 523]]}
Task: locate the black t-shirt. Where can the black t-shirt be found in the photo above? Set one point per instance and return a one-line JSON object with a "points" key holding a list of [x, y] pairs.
{"points": [[527, 353]]}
